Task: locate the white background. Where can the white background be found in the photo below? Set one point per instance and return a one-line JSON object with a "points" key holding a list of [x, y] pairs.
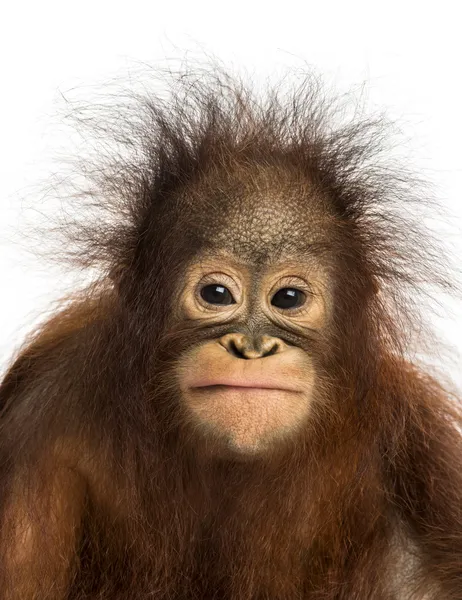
{"points": [[407, 53]]}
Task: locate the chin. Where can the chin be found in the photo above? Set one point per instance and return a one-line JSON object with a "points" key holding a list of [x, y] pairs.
{"points": [[245, 422]]}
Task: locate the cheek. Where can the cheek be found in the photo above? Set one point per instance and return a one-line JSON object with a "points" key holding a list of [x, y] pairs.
{"points": [[248, 419]]}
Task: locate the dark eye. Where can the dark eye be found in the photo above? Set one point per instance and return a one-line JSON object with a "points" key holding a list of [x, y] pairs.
{"points": [[217, 294], [288, 298]]}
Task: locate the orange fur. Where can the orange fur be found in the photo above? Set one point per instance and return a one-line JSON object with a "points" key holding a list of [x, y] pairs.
{"points": [[105, 494]]}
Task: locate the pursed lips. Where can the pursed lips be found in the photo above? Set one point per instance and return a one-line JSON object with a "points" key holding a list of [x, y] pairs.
{"points": [[243, 385]]}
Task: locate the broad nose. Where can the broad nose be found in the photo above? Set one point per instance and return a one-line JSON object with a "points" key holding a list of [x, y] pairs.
{"points": [[247, 347]]}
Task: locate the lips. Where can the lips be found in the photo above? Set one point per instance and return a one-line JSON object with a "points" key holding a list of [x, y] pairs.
{"points": [[211, 369], [271, 383]]}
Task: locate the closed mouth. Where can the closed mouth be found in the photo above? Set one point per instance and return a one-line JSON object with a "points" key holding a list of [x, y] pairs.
{"points": [[243, 387]]}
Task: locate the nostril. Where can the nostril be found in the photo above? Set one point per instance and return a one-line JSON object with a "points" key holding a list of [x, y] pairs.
{"points": [[273, 350], [242, 347], [234, 350]]}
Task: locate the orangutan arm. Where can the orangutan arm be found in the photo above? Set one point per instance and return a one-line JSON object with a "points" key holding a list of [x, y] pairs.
{"points": [[40, 531]]}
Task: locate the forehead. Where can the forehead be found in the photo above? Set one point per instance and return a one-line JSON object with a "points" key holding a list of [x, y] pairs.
{"points": [[260, 217]]}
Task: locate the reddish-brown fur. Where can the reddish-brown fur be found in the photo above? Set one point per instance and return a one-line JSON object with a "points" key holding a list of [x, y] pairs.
{"points": [[115, 499]]}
